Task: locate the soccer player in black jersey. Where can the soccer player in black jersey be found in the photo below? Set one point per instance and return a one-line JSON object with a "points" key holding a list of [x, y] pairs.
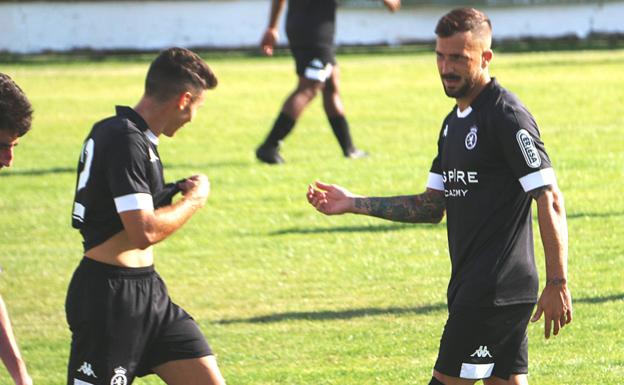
{"points": [[122, 320], [15, 121], [491, 164], [310, 26]]}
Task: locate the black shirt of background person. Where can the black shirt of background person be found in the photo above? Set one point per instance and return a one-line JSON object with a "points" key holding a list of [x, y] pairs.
{"points": [[311, 22]]}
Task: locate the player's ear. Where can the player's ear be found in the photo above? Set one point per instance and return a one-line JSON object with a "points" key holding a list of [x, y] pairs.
{"points": [[184, 100], [486, 56]]}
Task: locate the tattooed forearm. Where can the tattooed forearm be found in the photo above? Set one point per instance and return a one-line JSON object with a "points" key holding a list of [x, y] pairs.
{"points": [[427, 207]]}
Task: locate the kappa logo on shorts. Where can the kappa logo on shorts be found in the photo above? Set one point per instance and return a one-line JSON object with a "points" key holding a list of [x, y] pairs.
{"points": [[445, 132], [471, 138], [120, 377], [527, 147], [482, 352], [87, 370]]}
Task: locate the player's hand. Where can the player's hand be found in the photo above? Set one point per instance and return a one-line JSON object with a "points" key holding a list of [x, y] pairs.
{"points": [[269, 39], [555, 304], [330, 199], [392, 5], [196, 187]]}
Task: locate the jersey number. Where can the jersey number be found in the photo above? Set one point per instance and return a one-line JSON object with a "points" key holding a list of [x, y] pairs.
{"points": [[86, 158]]}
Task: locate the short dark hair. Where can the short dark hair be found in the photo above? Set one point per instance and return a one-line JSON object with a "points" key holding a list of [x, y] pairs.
{"points": [[175, 71], [15, 109], [463, 20]]}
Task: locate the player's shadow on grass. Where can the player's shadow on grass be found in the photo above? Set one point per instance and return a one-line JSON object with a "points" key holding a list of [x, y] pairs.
{"points": [[205, 167], [39, 172], [594, 215], [326, 315], [596, 300], [350, 229]]}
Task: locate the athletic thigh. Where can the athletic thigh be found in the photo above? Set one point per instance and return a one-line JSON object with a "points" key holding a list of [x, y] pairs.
{"points": [[109, 332], [314, 62], [481, 342], [195, 371], [179, 338]]}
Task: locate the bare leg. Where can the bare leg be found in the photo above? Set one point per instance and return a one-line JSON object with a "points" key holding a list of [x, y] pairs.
{"points": [[448, 380], [292, 108], [300, 98], [334, 109], [514, 379], [332, 103], [195, 371]]}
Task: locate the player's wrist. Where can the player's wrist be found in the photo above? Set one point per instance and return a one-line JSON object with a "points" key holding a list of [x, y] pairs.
{"points": [[358, 205], [195, 200], [556, 282]]}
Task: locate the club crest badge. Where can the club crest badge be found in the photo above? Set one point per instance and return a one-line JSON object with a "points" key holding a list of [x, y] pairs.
{"points": [[120, 377], [471, 138]]}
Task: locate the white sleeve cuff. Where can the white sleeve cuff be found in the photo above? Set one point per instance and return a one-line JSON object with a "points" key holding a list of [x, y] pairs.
{"points": [[538, 179], [435, 182], [138, 201]]}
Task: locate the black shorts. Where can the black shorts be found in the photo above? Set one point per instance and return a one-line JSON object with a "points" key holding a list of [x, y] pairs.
{"points": [[123, 324], [314, 62], [482, 342]]}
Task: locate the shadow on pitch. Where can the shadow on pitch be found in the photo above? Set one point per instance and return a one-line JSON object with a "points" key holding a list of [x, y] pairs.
{"points": [[336, 315], [326, 315], [351, 229], [594, 215], [596, 300], [72, 170], [38, 172], [208, 165]]}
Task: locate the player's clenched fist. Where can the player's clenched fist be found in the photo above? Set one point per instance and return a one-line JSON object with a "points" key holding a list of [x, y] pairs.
{"points": [[196, 187]]}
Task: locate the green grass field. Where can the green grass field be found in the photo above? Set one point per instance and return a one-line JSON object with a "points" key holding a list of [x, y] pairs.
{"points": [[284, 294]]}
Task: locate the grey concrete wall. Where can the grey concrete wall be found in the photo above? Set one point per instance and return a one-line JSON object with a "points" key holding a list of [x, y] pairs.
{"points": [[31, 27]]}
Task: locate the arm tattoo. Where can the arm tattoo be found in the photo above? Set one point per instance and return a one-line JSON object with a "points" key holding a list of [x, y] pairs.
{"points": [[427, 207]]}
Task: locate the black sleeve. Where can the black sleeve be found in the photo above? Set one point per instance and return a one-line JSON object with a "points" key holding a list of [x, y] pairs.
{"points": [[435, 180], [126, 166], [518, 136]]}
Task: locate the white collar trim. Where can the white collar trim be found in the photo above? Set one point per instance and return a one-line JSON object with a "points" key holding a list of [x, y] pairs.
{"points": [[464, 113], [152, 138]]}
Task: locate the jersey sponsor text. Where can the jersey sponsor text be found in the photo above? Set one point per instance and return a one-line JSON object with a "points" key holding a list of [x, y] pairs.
{"points": [[527, 147]]}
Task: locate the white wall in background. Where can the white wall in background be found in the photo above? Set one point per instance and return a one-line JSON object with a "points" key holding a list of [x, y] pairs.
{"points": [[31, 27]]}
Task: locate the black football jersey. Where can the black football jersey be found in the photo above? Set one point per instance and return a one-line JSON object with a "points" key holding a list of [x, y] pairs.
{"points": [[489, 156], [311, 22], [119, 170]]}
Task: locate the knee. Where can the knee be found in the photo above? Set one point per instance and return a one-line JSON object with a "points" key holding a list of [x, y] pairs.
{"points": [[309, 89]]}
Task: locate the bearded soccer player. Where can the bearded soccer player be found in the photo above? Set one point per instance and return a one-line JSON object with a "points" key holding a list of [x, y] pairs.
{"points": [[491, 164], [122, 320], [310, 26], [15, 120]]}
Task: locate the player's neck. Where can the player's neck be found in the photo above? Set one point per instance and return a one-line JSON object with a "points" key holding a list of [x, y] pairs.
{"points": [[154, 113], [466, 101]]}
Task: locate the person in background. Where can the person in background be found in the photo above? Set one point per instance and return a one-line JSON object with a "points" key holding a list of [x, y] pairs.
{"points": [[15, 121], [310, 26]]}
